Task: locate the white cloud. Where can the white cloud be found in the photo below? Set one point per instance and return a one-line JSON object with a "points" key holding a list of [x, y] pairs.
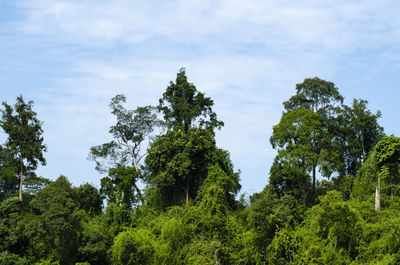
{"points": [[301, 24], [246, 55]]}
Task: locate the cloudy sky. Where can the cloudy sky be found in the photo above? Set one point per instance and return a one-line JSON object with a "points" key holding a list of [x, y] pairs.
{"points": [[71, 57]]}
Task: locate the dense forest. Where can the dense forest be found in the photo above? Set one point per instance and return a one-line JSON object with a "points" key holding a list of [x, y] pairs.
{"points": [[332, 196]]}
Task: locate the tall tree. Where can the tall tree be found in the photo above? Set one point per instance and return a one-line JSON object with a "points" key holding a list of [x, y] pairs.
{"points": [[133, 127], [25, 140], [183, 106], [319, 101], [178, 161], [300, 135]]}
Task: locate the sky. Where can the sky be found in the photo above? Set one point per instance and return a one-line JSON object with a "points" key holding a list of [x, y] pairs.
{"points": [[71, 57]]}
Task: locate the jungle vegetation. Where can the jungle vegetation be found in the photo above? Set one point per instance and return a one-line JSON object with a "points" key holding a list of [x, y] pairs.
{"points": [[332, 195]]}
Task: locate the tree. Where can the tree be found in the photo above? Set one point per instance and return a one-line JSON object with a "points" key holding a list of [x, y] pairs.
{"points": [[8, 174], [387, 157], [54, 228], [301, 136], [183, 106], [134, 246], [177, 161], [317, 132], [88, 198], [289, 176], [25, 140], [117, 186], [317, 95], [360, 132], [133, 127]]}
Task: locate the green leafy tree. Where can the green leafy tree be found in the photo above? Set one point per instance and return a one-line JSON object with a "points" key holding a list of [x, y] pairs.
{"points": [[88, 198], [133, 127], [316, 133], [178, 162], [25, 140], [117, 187], [11, 212], [387, 157], [52, 232], [134, 246], [96, 240], [289, 176], [387, 153], [220, 180], [183, 106], [8, 174], [360, 132], [300, 134], [316, 95]]}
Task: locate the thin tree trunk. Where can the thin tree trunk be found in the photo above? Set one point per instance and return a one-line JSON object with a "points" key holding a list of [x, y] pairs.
{"points": [[187, 194], [378, 194], [174, 195], [21, 177], [216, 257], [135, 164], [313, 179], [139, 193]]}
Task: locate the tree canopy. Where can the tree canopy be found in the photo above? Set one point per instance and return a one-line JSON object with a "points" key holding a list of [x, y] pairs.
{"points": [[332, 162], [184, 106], [24, 138]]}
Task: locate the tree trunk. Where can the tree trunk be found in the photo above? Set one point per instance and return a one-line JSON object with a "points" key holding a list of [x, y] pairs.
{"points": [[174, 195], [216, 257], [313, 182], [135, 164], [21, 177], [139, 193], [378, 194], [187, 194]]}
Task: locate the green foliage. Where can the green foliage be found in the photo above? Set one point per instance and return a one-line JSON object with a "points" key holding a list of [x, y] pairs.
{"points": [[183, 106], [121, 157], [189, 212], [387, 157], [88, 198], [316, 95], [359, 133], [53, 230], [288, 176], [364, 183], [47, 262], [7, 258], [9, 179], [95, 241], [303, 144], [24, 137], [134, 246], [117, 186], [11, 212], [178, 162]]}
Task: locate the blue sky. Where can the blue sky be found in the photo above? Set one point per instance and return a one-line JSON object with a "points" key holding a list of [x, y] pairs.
{"points": [[71, 57]]}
